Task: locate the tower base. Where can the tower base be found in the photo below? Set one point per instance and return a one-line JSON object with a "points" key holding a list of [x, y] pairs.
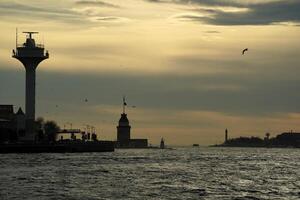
{"points": [[30, 130]]}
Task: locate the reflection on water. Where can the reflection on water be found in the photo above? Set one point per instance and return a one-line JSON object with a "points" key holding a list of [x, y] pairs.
{"points": [[184, 173]]}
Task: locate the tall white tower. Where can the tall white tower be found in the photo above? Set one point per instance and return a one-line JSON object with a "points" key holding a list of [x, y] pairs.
{"points": [[30, 55]]}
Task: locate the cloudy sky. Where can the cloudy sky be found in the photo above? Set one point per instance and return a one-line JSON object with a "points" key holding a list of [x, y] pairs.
{"points": [[178, 61]]}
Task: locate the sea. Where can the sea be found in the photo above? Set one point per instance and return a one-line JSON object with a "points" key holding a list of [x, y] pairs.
{"points": [[210, 173]]}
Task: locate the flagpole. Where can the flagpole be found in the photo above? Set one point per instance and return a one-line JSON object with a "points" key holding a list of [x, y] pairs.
{"points": [[124, 104]]}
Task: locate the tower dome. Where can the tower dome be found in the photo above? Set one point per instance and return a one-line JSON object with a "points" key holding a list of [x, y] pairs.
{"points": [[124, 120]]}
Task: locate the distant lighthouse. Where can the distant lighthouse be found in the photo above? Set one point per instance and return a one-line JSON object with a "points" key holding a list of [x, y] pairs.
{"points": [[226, 135], [30, 55], [162, 143]]}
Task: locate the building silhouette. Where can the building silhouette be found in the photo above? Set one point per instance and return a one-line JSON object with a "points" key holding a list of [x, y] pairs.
{"points": [[123, 133], [12, 124], [30, 55]]}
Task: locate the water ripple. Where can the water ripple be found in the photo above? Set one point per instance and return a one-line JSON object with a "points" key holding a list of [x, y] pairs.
{"points": [[184, 173]]}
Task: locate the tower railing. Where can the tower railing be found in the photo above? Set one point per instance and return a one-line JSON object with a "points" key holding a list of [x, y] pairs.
{"points": [[16, 53], [36, 45]]}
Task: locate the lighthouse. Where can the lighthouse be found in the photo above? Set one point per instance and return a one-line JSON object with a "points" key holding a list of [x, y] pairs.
{"points": [[123, 129], [124, 139], [30, 55]]}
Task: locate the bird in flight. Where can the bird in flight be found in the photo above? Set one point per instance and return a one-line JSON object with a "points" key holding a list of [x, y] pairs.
{"points": [[243, 52], [86, 100]]}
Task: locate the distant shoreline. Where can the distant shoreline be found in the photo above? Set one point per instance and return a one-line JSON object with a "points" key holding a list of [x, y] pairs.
{"points": [[283, 140], [258, 146]]}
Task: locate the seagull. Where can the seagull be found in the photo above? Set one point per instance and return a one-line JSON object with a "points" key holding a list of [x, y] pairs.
{"points": [[244, 51]]}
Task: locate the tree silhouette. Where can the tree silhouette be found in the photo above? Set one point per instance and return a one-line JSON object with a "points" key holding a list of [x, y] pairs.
{"points": [[51, 128], [39, 123], [94, 137]]}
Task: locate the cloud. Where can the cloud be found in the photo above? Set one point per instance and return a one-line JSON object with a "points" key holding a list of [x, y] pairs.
{"points": [[261, 14], [96, 3], [225, 3], [112, 19], [87, 16], [212, 32], [256, 13], [13, 9], [245, 94], [23, 7]]}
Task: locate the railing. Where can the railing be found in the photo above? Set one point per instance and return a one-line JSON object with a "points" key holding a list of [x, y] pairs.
{"points": [[69, 131], [16, 53]]}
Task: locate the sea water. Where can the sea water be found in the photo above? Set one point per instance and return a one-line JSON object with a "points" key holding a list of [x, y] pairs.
{"points": [[181, 173]]}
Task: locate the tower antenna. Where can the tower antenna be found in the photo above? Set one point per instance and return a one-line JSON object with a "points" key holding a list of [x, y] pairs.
{"points": [[124, 103], [16, 37]]}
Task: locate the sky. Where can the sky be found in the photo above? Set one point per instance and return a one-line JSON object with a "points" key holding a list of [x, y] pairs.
{"points": [[178, 62]]}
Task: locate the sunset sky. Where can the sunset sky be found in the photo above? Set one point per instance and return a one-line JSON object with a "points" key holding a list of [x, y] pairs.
{"points": [[178, 61]]}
